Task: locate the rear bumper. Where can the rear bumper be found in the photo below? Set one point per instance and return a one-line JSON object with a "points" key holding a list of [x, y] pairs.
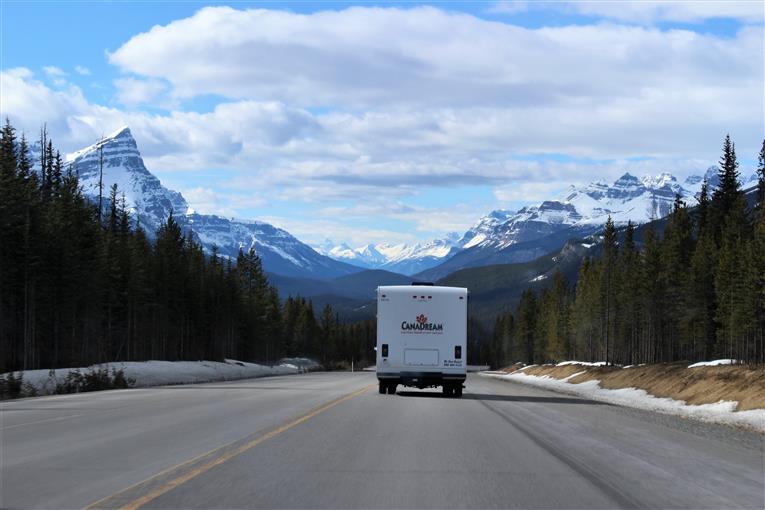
{"points": [[422, 379]]}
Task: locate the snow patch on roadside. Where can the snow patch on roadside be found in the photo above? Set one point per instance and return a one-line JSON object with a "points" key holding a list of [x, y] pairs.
{"points": [[720, 412], [303, 364], [158, 373], [583, 363], [573, 375], [713, 363]]}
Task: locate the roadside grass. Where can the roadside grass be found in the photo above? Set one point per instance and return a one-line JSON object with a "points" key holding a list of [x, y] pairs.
{"points": [[696, 386]]}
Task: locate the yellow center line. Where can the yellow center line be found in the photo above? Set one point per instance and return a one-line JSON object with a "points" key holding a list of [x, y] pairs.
{"points": [[180, 480]]}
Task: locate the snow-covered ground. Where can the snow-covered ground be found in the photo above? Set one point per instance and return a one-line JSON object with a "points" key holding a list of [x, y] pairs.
{"points": [[156, 373], [713, 363], [583, 363], [304, 364], [720, 412]]}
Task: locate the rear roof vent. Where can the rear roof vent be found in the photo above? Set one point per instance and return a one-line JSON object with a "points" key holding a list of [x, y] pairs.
{"points": [[428, 284]]}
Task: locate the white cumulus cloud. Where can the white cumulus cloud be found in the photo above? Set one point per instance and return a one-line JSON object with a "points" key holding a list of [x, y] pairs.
{"points": [[133, 92], [54, 71], [372, 57], [341, 106]]}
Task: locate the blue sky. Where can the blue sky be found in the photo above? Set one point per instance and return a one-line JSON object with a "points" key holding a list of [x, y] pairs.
{"points": [[399, 121]]}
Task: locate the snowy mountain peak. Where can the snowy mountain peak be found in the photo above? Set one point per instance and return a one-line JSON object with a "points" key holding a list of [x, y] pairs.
{"points": [[150, 202], [122, 132], [712, 175], [625, 188], [693, 182], [660, 181], [499, 214], [628, 198], [626, 178], [121, 138]]}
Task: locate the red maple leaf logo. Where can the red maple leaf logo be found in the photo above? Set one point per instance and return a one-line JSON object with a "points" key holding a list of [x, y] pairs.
{"points": [[422, 319]]}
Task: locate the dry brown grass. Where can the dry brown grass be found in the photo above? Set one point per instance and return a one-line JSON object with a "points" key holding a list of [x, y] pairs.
{"points": [[702, 385], [511, 368]]}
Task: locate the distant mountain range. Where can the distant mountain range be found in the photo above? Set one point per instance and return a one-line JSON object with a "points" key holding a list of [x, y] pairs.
{"points": [[400, 258], [499, 237], [504, 236]]}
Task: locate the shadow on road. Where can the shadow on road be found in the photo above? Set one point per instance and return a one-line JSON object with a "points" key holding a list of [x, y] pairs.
{"points": [[502, 398]]}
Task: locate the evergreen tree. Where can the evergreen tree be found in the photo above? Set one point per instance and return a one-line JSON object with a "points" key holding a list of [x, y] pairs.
{"points": [[677, 247], [702, 209], [627, 292], [525, 326], [557, 319], [7, 151], [57, 175], [610, 252], [586, 311], [328, 334], [140, 297], [729, 289], [727, 196], [652, 300], [757, 278], [761, 178], [113, 217], [544, 326], [479, 345], [48, 170], [697, 320], [11, 217], [504, 347]]}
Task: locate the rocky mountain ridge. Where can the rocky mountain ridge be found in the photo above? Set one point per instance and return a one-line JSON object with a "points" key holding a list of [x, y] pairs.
{"points": [[504, 236]]}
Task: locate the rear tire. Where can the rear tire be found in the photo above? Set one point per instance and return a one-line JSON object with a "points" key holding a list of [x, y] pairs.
{"points": [[392, 389], [458, 391], [381, 389], [447, 391]]}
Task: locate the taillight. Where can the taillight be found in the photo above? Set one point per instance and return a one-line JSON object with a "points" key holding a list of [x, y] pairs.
{"points": [[384, 350], [457, 352]]}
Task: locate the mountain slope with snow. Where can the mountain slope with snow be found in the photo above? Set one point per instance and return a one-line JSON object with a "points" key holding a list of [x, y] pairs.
{"points": [[503, 237], [150, 203]]}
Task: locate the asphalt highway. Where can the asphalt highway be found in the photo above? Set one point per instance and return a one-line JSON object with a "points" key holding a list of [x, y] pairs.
{"points": [[329, 440]]}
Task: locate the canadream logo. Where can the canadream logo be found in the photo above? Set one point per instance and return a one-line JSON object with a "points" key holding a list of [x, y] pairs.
{"points": [[421, 324]]}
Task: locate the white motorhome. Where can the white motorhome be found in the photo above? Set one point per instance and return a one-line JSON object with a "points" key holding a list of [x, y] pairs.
{"points": [[422, 337]]}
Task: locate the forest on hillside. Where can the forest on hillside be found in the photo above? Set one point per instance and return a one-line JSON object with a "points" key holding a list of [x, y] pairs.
{"points": [[81, 284], [695, 293]]}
